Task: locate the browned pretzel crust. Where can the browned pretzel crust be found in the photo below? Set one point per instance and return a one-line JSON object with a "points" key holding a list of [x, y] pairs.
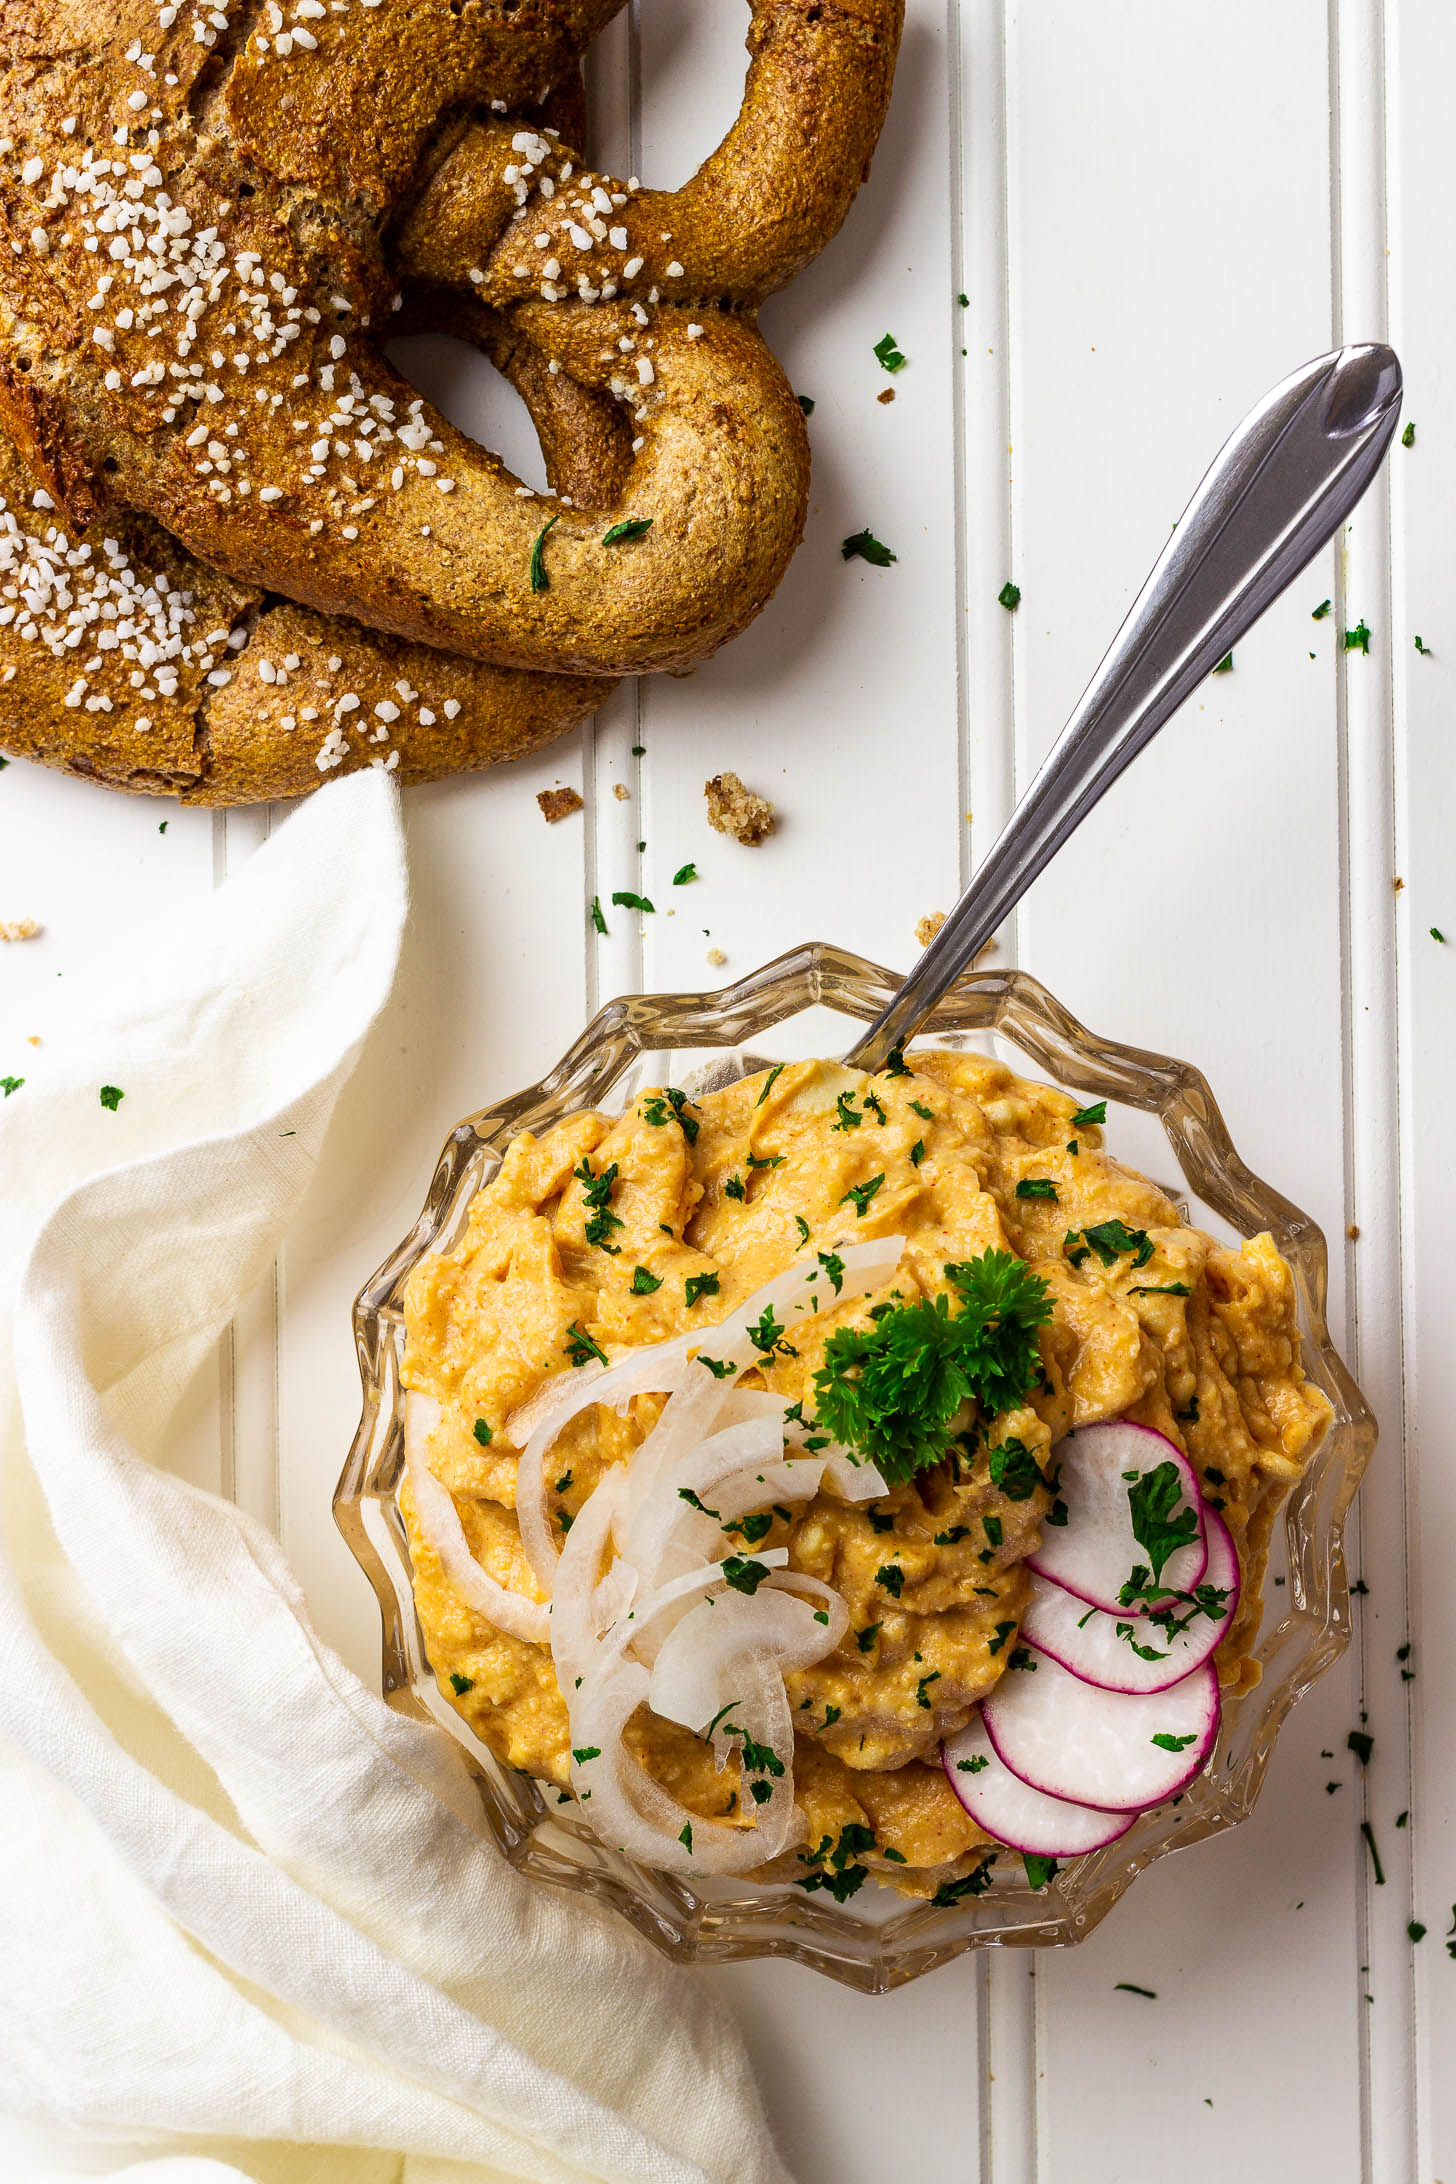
{"points": [[204, 233]]}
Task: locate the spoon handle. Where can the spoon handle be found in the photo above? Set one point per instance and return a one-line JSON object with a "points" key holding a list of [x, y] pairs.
{"points": [[1279, 488]]}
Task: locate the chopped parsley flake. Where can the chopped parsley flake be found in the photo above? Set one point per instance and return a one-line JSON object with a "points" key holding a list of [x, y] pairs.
{"points": [[596, 914], [1110, 1240], [1358, 638], [895, 1063], [889, 355], [973, 1766], [482, 1432], [999, 1637], [581, 1753], [923, 1687], [744, 1576], [864, 546], [1369, 1834], [644, 1281], [925, 1113], [889, 1392], [461, 1684], [540, 581], [1037, 1186], [1361, 1744], [1159, 1526], [892, 1577], [768, 1082], [686, 1837], [865, 1639], [683, 874], [845, 1108], [1437, 934], [1167, 1742], [1225, 665], [734, 1188], [580, 1346], [806, 403], [833, 1266], [860, 1194], [1085, 1116], [1125, 1986], [630, 527], [10, 1084], [956, 1532], [1009, 596], [719, 1367], [112, 1096], [974, 1883], [1039, 1870], [596, 1191], [1424, 649], [1408, 437], [917, 1152], [625, 899], [699, 1285]]}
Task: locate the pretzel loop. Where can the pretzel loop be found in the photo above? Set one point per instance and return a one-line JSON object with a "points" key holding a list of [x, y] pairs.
{"points": [[210, 231]]}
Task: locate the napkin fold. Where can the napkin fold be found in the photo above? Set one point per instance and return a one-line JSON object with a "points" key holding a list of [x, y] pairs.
{"points": [[244, 1901]]}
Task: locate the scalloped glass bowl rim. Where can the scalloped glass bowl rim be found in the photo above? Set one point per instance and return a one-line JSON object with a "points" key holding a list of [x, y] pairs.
{"points": [[876, 1941]]}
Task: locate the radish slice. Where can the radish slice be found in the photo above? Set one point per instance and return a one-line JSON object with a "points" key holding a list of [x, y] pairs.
{"points": [[1017, 1815], [440, 1527], [1095, 1552], [1135, 1653], [1071, 1740]]}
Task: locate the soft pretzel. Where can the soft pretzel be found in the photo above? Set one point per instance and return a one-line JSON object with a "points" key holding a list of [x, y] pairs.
{"points": [[211, 213]]}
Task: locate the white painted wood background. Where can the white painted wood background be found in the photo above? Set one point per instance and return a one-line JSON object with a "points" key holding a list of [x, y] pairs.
{"points": [[1156, 207]]}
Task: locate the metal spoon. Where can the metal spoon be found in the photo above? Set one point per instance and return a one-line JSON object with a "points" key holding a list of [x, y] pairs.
{"points": [[1279, 488]]}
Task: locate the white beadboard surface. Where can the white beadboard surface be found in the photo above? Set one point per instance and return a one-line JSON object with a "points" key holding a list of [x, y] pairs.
{"points": [[1154, 208]]}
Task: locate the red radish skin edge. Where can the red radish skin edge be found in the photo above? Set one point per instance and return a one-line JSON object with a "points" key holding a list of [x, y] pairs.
{"points": [[1118, 1823], [1199, 1758], [1172, 1453], [1224, 1555]]}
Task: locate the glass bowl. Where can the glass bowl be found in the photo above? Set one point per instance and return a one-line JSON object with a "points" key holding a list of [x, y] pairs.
{"points": [[1162, 1115]]}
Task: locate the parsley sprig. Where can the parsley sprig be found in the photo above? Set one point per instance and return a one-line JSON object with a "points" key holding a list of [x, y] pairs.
{"points": [[889, 1392]]}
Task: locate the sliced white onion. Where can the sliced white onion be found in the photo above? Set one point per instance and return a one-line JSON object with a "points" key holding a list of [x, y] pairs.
{"points": [[647, 1372], [440, 1526], [695, 1674], [657, 1510], [627, 1808], [585, 1603]]}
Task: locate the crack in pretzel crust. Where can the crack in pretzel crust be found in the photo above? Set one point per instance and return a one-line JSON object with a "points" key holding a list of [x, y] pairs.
{"points": [[237, 550]]}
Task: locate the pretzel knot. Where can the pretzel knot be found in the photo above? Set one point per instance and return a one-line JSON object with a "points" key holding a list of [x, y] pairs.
{"points": [[236, 548]]}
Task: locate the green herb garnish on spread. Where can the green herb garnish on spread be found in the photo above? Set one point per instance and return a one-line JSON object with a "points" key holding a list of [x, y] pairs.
{"points": [[1087, 1115], [892, 1577], [735, 1188], [974, 1883], [859, 1195], [461, 1684], [1161, 1289], [768, 1082], [744, 1576], [630, 527], [483, 1432], [540, 581], [864, 546], [596, 1190], [895, 1063], [889, 1392], [644, 1281], [580, 1346], [1036, 1186], [719, 1367], [1111, 1240], [848, 1118]]}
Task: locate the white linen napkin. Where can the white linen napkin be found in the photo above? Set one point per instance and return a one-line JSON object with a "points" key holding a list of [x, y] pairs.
{"points": [[242, 1901]]}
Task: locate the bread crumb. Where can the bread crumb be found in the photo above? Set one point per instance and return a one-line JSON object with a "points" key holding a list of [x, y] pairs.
{"points": [[621, 791], [929, 926], [18, 928], [887, 396], [557, 804], [736, 810], [717, 958], [34, 1039], [1353, 1232], [1400, 887]]}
